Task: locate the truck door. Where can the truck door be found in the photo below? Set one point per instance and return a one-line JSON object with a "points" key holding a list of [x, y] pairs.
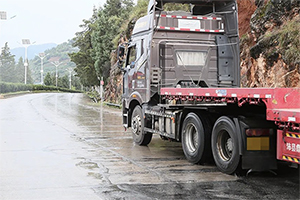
{"points": [[130, 64], [136, 62]]}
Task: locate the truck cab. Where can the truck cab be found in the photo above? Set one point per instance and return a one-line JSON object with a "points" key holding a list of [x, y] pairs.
{"points": [[197, 48]]}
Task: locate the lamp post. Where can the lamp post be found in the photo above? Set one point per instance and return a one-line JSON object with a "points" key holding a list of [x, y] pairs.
{"points": [[42, 56], [26, 43], [56, 64], [3, 17], [70, 77]]}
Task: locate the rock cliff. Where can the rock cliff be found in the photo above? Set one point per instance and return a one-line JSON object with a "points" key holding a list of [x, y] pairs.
{"points": [[270, 49]]}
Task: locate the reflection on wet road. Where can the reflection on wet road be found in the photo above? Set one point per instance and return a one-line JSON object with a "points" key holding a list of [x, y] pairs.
{"points": [[61, 146]]}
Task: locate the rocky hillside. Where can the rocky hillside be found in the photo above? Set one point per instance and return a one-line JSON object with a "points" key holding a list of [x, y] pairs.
{"points": [[270, 46]]}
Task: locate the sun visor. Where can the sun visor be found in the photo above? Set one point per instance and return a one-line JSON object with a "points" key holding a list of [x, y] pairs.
{"points": [[142, 24]]}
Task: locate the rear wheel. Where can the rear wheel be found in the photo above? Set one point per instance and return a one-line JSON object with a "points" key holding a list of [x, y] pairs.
{"points": [[137, 127], [225, 145], [195, 139]]}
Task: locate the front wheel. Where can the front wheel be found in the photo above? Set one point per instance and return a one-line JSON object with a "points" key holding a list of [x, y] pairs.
{"points": [[137, 127], [225, 145]]}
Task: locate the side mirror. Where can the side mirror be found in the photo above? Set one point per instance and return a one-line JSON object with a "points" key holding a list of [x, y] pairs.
{"points": [[132, 65], [121, 55]]}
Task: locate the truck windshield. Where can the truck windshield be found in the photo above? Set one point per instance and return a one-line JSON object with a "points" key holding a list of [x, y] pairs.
{"points": [[187, 58]]}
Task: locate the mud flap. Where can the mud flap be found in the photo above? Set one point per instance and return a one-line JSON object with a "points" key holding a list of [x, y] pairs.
{"points": [[258, 153]]}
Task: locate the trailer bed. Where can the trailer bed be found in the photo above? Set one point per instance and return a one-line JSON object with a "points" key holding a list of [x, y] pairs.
{"points": [[282, 104]]}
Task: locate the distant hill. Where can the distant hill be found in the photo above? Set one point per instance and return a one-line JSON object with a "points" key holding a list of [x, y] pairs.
{"points": [[32, 50], [59, 53]]}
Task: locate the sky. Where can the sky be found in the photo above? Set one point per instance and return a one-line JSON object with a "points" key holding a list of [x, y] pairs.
{"points": [[43, 21]]}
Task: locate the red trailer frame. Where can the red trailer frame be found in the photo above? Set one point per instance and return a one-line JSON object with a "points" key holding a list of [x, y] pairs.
{"points": [[282, 107]]}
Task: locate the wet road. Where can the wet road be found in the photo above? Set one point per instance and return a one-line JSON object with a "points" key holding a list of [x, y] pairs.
{"points": [[61, 146]]}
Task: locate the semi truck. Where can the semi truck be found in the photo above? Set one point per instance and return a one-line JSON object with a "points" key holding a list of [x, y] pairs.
{"points": [[181, 80]]}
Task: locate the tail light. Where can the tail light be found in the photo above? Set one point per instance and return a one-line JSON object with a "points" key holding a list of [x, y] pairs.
{"points": [[258, 139], [258, 132]]}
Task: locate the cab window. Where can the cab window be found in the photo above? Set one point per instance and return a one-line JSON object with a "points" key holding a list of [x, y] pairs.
{"points": [[131, 56]]}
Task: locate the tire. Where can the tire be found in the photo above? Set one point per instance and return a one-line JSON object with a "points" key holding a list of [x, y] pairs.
{"points": [[225, 146], [195, 139], [137, 127]]}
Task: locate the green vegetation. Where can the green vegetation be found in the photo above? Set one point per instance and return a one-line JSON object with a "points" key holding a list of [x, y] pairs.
{"points": [[176, 6], [289, 42], [17, 87], [283, 41]]}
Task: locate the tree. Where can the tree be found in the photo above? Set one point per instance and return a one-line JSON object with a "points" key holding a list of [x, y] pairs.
{"points": [[108, 25], [84, 61], [29, 78], [48, 80], [96, 42], [64, 82], [19, 71], [7, 65]]}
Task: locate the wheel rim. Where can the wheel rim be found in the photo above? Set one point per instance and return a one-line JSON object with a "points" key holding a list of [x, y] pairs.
{"points": [[136, 125], [225, 145], [191, 138]]}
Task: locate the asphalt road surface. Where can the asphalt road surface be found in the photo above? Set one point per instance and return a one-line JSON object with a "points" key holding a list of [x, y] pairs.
{"points": [[64, 147]]}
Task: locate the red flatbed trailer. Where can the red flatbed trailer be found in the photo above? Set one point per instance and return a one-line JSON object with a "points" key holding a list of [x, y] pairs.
{"points": [[282, 107]]}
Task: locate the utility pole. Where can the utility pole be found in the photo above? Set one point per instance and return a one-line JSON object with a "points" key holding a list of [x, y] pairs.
{"points": [[56, 64], [42, 56]]}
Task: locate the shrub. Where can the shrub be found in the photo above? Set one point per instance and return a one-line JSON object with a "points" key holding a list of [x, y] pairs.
{"points": [[17, 87]]}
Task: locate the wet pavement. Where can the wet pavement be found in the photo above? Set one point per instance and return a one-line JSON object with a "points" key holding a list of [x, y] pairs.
{"points": [[62, 146]]}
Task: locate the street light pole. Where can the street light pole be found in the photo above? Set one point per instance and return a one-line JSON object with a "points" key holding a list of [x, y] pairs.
{"points": [[26, 43], [42, 56], [26, 64], [3, 17], [70, 77], [56, 64]]}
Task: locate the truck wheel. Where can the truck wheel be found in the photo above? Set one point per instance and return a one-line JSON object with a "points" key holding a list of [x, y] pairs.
{"points": [[137, 127], [195, 141], [225, 145]]}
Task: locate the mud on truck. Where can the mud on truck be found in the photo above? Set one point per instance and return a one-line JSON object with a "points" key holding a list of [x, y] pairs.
{"points": [[182, 81]]}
